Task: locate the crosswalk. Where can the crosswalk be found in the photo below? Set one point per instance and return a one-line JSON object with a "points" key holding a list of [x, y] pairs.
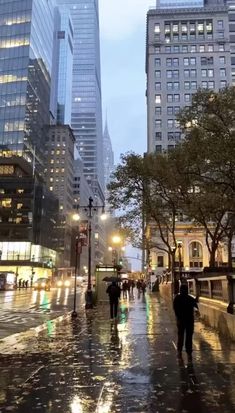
{"points": [[23, 317]]}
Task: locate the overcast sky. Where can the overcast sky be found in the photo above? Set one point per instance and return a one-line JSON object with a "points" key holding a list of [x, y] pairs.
{"points": [[122, 38]]}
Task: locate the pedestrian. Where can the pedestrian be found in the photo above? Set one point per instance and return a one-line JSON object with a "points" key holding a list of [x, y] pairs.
{"points": [[23, 283], [26, 283], [184, 305], [143, 286], [20, 282], [124, 289], [132, 286], [114, 293]]}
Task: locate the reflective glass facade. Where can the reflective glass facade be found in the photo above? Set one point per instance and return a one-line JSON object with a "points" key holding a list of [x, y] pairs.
{"points": [[86, 119], [26, 44], [65, 39]]}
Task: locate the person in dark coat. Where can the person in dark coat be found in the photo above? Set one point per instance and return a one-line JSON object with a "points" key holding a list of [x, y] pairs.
{"points": [[114, 293], [184, 305]]}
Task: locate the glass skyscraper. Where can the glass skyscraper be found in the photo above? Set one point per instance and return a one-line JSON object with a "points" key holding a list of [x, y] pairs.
{"points": [[26, 61], [86, 119]]}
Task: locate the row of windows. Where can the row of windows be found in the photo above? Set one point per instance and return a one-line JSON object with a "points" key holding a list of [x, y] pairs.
{"points": [[171, 136], [176, 85], [189, 48], [159, 148], [188, 26], [187, 61], [171, 110], [171, 123], [174, 74]]}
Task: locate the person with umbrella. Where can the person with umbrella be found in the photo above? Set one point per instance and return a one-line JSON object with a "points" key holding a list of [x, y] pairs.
{"points": [[114, 293]]}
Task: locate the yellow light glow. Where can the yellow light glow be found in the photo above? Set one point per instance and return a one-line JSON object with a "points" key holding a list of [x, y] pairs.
{"points": [[116, 239], [110, 249], [103, 217], [76, 217], [76, 405]]}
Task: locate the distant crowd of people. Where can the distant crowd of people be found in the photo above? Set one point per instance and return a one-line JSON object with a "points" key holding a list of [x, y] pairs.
{"points": [[23, 283]]}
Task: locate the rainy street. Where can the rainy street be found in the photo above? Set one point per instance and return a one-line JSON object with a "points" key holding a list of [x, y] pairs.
{"points": [[26, 308], [94, 365]]}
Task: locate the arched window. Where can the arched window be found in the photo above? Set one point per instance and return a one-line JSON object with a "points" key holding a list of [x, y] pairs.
{"points": [[195, 254]]}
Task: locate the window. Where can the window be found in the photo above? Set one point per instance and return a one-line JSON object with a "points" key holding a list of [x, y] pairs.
{"points": [[176, 85], [168, 49], [209, 26], [158, 99], [192, 27], [187, 85], [169, 110], [204, 85], [176, 98], [194, 85], [186, 61], [223, 84], [185, 49], [170, 123], [158, 136], [169, 98], [158, 148], [186, 72], [176, 49], [167, 28], [176, 110], [157, 86], [169, 74], [157, 74], [158, 123], [175, 37], [200, 27], [158, 110], [184, 27], [193, 73], [202, 48], [170, 136], [222, 72], [221, 48], [222, 60], [220, 24], [175, 74], [170, 147], [157, 49], [157, 62], [221, 35], [192, 61], [187, 97], [204, 72], [203, 61], [175, 61], [157, 28], [193, 49], [210, 47], [169, 86], [211, 84], [210, 72], [168, 62], [175, 28]]}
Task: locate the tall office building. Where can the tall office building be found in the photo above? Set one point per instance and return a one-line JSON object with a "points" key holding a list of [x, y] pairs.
{"points": [[187, 49], [108, 156], [86, 89], [65, 39], [26, 55]]}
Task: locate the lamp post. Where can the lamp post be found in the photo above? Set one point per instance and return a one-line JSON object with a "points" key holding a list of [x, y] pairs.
{"points": [[89, 209], [74, 313]]}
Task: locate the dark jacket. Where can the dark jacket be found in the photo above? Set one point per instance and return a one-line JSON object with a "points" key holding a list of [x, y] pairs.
{"points": [[114, 292], [184, 305]]}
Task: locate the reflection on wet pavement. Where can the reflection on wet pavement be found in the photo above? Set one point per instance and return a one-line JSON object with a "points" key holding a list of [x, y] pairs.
{"points": [[94, 365]]}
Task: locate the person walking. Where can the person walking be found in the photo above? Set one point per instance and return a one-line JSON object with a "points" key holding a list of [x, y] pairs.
{"points": [[114, 293], [184, 306]]}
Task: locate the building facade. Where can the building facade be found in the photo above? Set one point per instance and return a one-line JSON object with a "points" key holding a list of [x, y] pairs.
{"points": [[26, 53], [108, 157], [65, 38], [86, 119], [187, 49]]}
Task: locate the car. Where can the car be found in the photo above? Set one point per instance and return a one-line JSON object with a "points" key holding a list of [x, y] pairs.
{"points": [[42, 284], [63, 283]]}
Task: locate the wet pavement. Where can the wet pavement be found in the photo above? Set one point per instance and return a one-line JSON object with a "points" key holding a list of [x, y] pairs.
{"points": [[26, 308], [92, 365]]}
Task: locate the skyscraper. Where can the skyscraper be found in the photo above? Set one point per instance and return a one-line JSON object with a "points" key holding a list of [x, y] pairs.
{"points": [[26, 54], [86, 119], [187, 49]]}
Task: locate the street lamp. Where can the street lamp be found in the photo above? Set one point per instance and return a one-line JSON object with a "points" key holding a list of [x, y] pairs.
{"points": [[89, 209], [74, 314]]}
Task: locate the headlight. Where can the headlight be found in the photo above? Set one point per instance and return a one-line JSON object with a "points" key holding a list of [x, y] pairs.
{"points": [[59, 284], [67, 283], [43, 284]]}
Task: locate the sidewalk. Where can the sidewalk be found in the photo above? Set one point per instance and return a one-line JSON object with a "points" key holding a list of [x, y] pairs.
{"points": [[93, 366]]}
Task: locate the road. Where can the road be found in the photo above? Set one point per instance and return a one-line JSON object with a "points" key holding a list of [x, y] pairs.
{"points": [[23, 309]]}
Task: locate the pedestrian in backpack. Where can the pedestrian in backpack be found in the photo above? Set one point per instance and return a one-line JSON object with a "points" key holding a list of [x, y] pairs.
{"points": [[114, 293]]}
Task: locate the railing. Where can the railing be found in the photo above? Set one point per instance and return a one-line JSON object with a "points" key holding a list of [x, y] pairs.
{"points": [[220, 288]]}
